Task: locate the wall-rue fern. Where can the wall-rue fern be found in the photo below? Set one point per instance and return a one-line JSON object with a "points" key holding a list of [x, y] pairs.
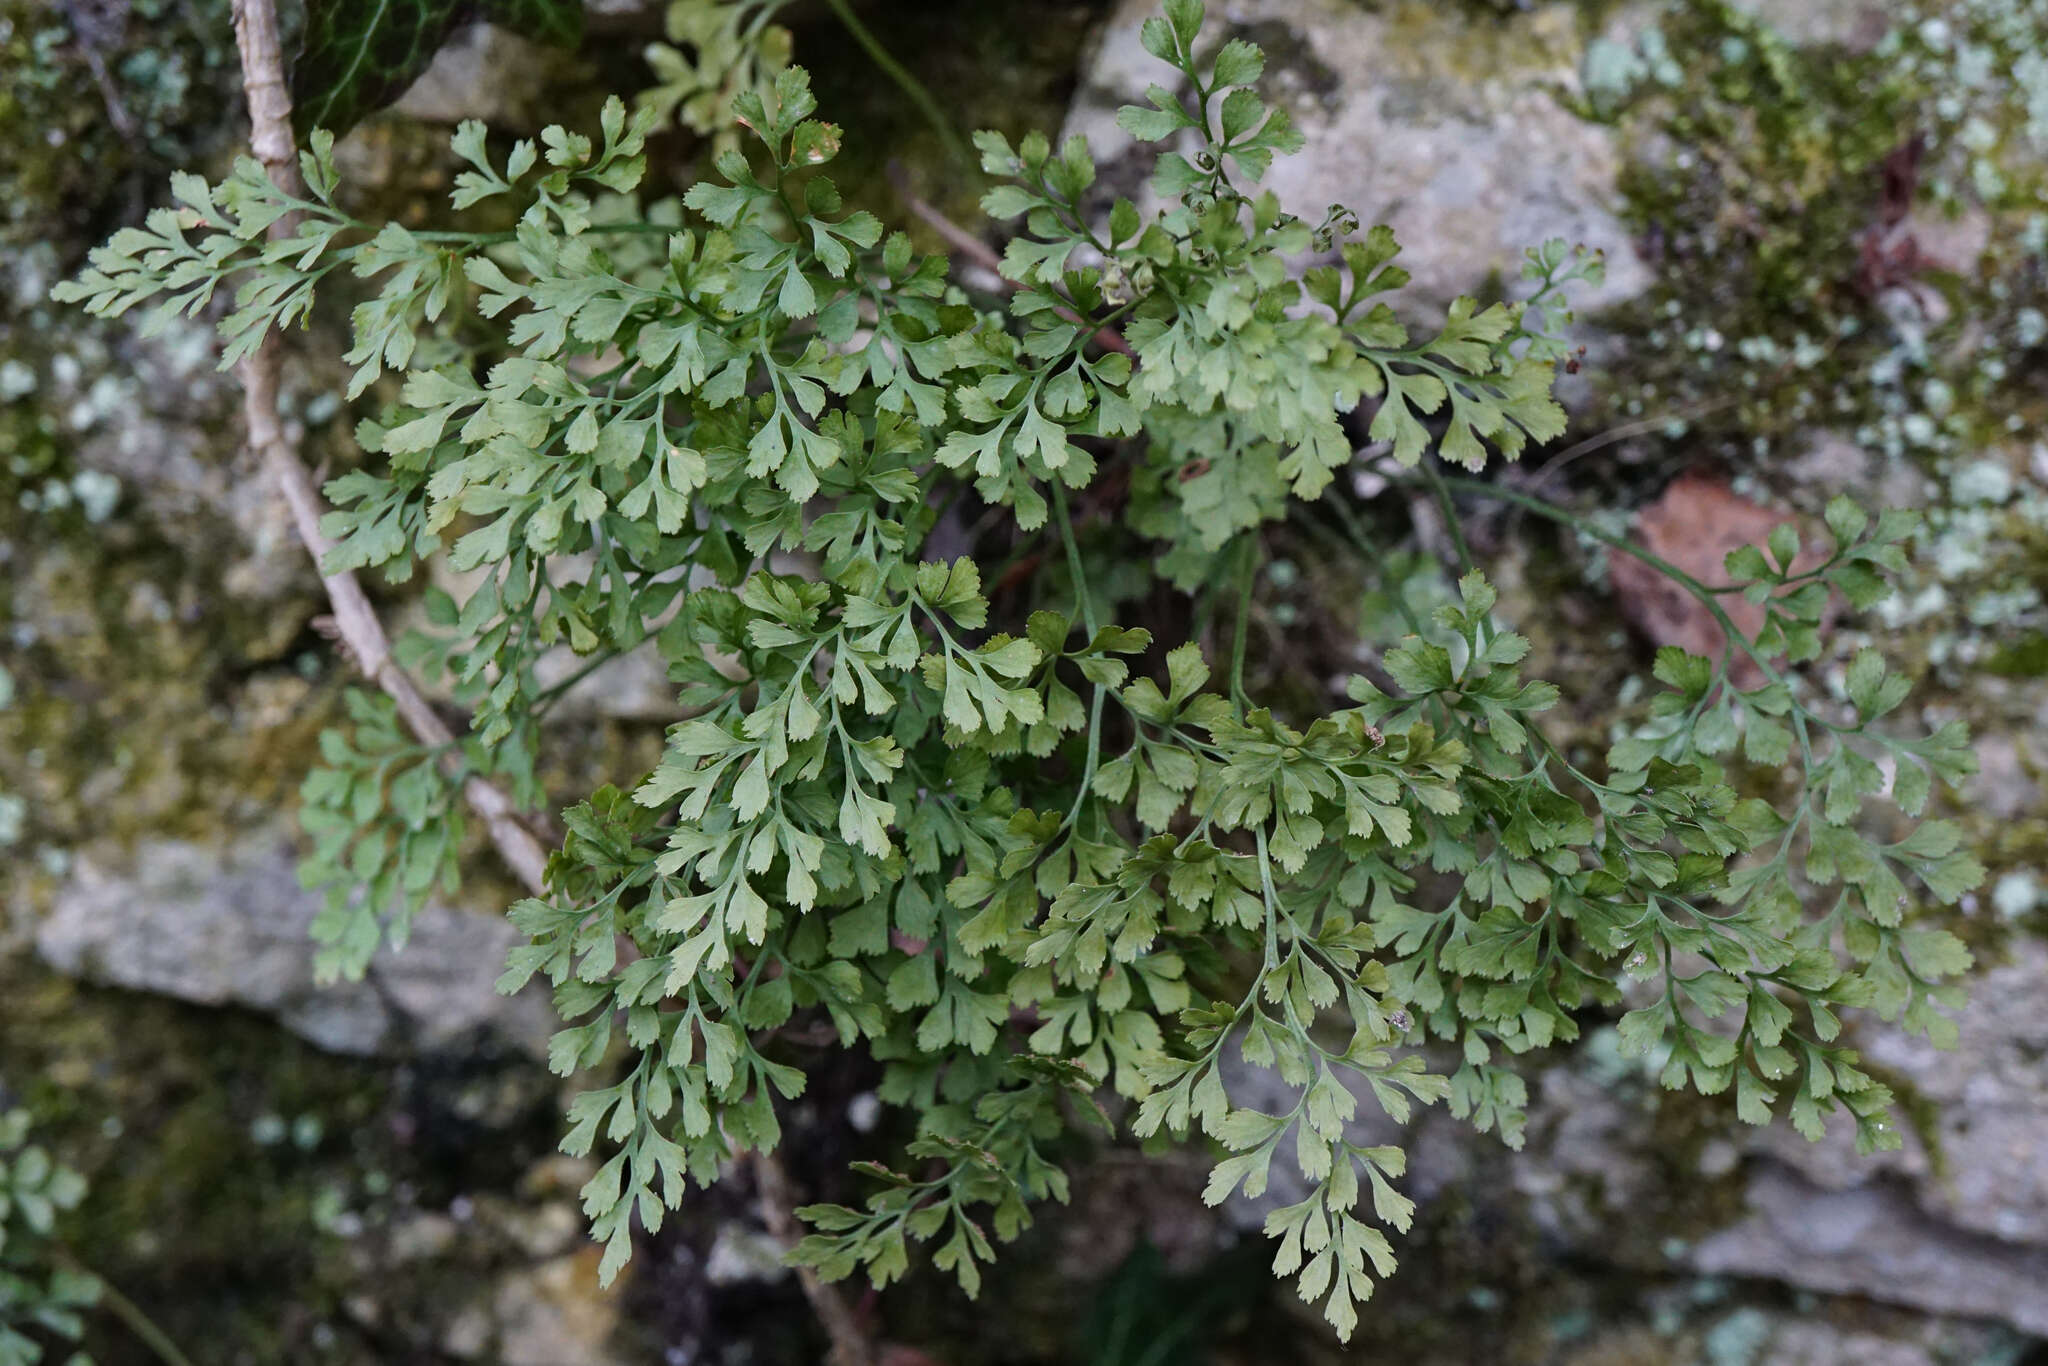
{"points": [[1051, 869]]}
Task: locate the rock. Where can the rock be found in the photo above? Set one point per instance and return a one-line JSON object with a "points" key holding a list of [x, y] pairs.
{"points": [[539, 1231], [1829, 462], [743, 1252], [422, 1237], [1988, 1174], [2006, 786], [1118, 1207], [555, 1315], [1795, 1342], [620, 13], [468, 1334], [1855, 24], [157, 418], [484, 72], [633, 686], [1693, 1326], [1955, 1224], [1442, 120], [1585, 1162], [1873, 1241], [228, 925]]}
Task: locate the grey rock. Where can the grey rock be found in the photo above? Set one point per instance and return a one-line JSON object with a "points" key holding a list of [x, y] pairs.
{"points": [[1765, 1338], [540, 1231], [2004, 786], [157, 417], [742, 1252], [1754, 1335], [1584, 1163], [228, 925], [633, 686], [467, 1335], [1831, 462], [1875, 1241], [554, 1314], [1443, 121], [422, 1237], [1960, 1231], [1855, 24], [483, 72], [1990, 1116], [1964, 1235]]}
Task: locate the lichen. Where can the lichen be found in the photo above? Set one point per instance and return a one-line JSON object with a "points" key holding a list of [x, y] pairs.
{"points": [[1844, 299], [101, 102]]}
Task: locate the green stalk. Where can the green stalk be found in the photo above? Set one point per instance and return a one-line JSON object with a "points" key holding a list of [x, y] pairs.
{"points": [[1565, 517], [130, 1313], [552, 694], [907, 83], [1087, 609], [1084, 600], [1247, 575], [1362, 543], [1438, 486]]}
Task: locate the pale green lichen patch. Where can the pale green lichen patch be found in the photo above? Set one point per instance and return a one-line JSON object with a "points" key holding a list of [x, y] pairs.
{"points": [[100, 101]]}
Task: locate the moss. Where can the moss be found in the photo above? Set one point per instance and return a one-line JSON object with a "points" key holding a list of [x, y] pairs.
{"points": [[1820, 271], [1765, 183], [1748, 184], [100, 103], [1442, 44], [239, 1176], [147, 698]]}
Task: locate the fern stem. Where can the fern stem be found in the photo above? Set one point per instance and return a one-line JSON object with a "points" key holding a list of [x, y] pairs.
{"points": [[1247, 574], [907, 83], [1706, 596], [1086, 601], [355, 617], [1362, 543], [554, 692], [1450, 512], [143, 1326], [130, 1313], [850, 1346]]}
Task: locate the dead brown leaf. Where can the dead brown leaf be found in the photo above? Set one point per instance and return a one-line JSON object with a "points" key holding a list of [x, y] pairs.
{"points": [[1694, 525]]}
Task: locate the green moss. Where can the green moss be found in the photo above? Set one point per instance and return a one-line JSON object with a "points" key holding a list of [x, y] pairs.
{"points": [[100, 103], [147, 698], [239, 1175], [1767, 182], [1749, 180]]}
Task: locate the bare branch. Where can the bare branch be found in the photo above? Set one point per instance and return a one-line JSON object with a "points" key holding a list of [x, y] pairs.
{"points": [[270, 113], [849, 1343], [270, 117]]}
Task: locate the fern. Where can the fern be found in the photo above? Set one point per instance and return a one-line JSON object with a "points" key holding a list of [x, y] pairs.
{"points": [[1050, 867]]}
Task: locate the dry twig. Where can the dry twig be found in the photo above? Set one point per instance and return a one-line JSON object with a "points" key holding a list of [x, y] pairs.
{"points": [[359, 629], [270, 137], [849, 1343]]}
